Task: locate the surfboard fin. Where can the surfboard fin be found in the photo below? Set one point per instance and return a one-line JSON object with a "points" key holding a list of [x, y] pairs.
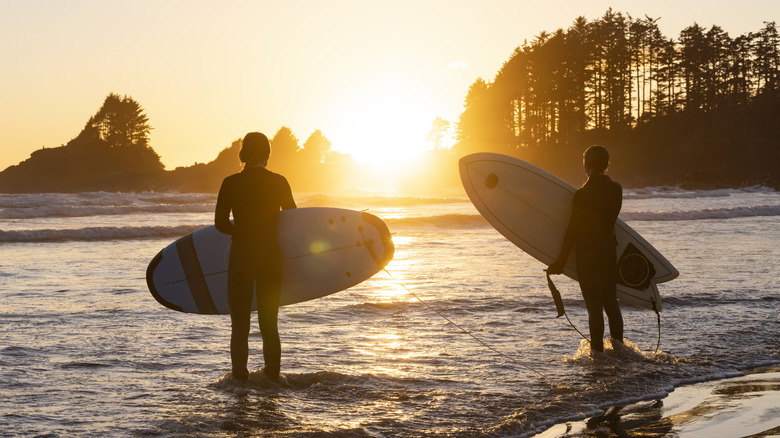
{"points": [[556, 296]]}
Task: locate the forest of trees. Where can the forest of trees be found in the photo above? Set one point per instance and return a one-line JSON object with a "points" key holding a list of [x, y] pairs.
{"points": [[700, 111], [615, 73], [607, 80]]}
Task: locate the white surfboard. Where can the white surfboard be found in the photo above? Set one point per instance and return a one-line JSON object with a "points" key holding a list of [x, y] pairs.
{"points": [[324, 250], [532, 208]]}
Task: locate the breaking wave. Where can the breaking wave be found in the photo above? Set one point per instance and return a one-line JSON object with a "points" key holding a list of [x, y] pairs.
{"points": [[471, 221], [665, 192], [44, 205], [100, 210], [710, 213], [96, 234], [449, 221]]}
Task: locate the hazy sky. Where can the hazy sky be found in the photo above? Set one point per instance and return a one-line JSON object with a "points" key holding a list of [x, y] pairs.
{"points": [[371, 75]]}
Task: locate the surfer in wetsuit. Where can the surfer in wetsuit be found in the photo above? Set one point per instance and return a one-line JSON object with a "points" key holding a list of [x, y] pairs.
{"points": [[591, 233], [255, 196]]}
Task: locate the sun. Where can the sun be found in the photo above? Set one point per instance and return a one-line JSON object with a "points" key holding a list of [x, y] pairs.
{"points": [[388, 125]]}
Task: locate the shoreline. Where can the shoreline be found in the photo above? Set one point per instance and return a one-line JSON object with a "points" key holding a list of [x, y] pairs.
{"points": [[446, 192], [747, 405]]}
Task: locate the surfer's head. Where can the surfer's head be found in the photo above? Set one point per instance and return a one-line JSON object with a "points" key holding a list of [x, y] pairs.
{"points": [[254, 149], [595, 159]]}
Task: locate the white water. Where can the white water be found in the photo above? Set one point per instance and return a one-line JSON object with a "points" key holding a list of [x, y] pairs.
{"points": [[86, 351]]}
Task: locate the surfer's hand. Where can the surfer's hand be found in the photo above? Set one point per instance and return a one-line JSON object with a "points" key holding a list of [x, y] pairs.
{"points": [[555, 269]]}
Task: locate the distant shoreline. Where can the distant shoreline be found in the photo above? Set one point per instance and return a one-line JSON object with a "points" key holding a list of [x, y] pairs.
{"points": [[735, 146], [693, 186], [446, 191]]}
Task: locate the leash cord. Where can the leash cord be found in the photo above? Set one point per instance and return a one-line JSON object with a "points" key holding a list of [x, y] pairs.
{"points": [[575, 328], [658, 315], [462, 329], [561, 311], [559, 304]]}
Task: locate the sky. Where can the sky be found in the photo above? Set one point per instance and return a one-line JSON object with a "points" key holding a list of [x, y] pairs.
{"points": [[371, 75]]}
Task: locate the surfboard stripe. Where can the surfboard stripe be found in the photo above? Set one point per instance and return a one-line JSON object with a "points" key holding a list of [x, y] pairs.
{"points": [[193, 273]]}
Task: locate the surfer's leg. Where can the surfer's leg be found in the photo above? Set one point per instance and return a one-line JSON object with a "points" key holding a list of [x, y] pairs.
{"points": [[240, 291], [272, 346], [268, 290], [611, 306], [591, 292], [588, 271]]}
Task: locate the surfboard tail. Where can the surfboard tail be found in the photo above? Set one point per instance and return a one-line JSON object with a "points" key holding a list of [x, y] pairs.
{"points": [[153, 289], [386, 256]]}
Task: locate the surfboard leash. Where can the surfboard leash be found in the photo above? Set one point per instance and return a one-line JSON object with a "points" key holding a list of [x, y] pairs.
{"points": [[462, 329], [559, 304], [658, 315], [562, 312]]}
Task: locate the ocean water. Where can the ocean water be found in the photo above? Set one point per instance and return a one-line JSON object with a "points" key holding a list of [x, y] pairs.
{"points": [[458, 337]]}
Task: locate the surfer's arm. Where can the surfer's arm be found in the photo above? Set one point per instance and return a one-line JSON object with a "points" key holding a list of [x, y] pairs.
{"points": [[618, 200], [287, 199], [222, 212], [617, 204]]}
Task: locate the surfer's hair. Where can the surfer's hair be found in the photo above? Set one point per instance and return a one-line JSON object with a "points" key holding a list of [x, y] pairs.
{"points": [[255, 148], [596, 158]]}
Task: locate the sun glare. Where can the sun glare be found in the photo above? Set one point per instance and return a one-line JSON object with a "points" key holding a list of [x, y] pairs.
{"points": [[389, 124]]}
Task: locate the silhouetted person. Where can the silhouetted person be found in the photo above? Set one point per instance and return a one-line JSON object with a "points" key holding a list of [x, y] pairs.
{"points": [[591, 233], [255, 196]]}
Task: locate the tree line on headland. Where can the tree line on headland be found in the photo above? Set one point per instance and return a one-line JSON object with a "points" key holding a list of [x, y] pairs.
{"points": [[112, 153], [702, 111]]}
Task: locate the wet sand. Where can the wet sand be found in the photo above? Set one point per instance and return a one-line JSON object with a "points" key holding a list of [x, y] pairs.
{"points": [[747, 406]]}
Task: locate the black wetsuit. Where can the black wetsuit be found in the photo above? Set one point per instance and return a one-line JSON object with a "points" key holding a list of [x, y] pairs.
{"points": [[591, 233], [255, 196]]}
